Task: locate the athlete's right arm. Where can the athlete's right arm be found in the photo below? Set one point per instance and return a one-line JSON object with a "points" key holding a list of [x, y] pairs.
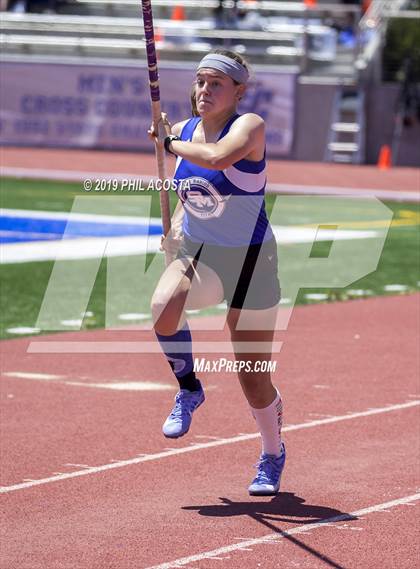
{"points": [[245, 139]]}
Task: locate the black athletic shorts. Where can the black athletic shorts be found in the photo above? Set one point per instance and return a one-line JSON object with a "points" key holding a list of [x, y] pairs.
{"points": [[248, 274]]}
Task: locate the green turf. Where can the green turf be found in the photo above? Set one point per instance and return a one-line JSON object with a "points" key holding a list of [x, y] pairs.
{"points": [[23, 285], [59, 196]]}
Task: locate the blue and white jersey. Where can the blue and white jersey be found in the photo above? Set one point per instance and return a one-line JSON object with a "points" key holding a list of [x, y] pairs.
{"points": [[222, 207]]}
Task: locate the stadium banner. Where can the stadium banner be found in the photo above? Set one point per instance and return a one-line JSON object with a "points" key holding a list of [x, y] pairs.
{"points": [[103, 106]]}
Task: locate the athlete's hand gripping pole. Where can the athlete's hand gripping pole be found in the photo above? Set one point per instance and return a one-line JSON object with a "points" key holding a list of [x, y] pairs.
{"points": [[156, 112]]}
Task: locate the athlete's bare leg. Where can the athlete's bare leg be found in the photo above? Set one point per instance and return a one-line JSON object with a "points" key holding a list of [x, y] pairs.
{"points": [[256, 386], [183, 287]]}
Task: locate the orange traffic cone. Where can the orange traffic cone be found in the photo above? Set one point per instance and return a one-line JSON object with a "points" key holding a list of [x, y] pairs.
{"points": [[366, 5], [310, 3], [178, 13], [158, 35], [385, 158]]}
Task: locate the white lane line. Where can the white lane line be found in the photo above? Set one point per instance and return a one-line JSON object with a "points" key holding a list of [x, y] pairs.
{"points": [[32, 375], [117, 386], [80, 176], [201, 446], [274, 537], [67, 175], [116, 347], [126, 386]]}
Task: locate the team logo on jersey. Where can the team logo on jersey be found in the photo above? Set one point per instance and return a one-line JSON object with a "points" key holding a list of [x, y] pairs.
{"points": [[201, 198]]}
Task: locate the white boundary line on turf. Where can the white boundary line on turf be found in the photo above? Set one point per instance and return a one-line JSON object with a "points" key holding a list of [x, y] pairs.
{"points": [[409, 196], [201, 446], [72, 217], [67, 175], [303, 189], [273, 537]]}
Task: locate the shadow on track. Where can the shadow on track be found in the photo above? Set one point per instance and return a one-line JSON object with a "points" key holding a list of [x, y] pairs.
{"points": [[285, 507]]}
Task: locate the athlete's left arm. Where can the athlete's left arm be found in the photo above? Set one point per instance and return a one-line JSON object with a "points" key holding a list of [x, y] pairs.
{"points": [[245, 138]]}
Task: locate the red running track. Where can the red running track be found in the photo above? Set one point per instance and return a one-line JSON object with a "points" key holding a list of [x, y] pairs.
{"points": [[349, 373]]}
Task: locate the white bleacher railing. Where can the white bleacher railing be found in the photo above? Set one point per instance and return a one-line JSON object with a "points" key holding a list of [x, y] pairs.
{"points": [[372, 28], [280, 40], [128, 26], [285, 38], [261, 6]]}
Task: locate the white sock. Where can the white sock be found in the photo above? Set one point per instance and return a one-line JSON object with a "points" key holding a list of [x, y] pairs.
{"points": [[269, 421]]}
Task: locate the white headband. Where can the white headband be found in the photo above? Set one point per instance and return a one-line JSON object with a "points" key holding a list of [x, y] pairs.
{"points": [[230, 67]]}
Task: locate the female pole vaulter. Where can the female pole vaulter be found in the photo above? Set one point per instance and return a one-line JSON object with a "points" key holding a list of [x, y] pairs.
{"points": [[225, 249]]}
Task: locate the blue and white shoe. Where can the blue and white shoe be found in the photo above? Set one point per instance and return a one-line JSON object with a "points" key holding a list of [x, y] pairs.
{"points": [[179, 421], [270, 468]]}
